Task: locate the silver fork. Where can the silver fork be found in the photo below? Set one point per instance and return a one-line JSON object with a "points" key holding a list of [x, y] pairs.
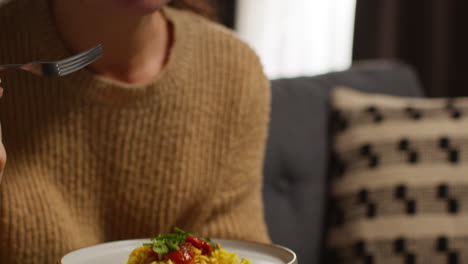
{"points": [[61, 67]]}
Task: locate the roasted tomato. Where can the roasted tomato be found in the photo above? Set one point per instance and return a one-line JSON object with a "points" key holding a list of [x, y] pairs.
{"points": [[152, 254], [200, 243], [181, 256]]}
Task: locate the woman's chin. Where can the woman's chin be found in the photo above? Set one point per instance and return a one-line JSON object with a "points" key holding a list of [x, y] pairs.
{"points": [[142, 11], [143, 7]]}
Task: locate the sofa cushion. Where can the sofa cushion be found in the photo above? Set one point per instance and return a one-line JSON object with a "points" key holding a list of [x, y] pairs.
{"points": [[400, 187], [295, 167]]}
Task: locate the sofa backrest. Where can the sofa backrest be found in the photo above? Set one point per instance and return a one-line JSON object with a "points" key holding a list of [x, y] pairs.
{"points": [[295, 169]]}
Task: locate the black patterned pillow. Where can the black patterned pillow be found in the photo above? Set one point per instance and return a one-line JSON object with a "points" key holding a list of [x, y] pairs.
{"points": [[399, 189]]}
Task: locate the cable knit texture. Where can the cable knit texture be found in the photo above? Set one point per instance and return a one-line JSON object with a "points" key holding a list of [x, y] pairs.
{"points": [[93, 160]]}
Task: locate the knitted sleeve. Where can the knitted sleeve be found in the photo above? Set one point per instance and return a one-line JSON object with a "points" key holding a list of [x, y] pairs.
{"points": [[238, 204]]}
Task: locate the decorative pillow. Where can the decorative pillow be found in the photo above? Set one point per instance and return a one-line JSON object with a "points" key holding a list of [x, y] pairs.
{"points": [[399, 189]]}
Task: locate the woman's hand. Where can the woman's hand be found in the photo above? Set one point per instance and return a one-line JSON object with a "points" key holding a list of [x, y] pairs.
{"points": [[2, 148]]}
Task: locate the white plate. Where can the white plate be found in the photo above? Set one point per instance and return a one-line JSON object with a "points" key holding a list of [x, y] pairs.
{"points": [[117, 252]]}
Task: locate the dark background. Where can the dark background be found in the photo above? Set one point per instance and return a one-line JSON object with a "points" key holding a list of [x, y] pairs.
{"points": [[226, 11], [430, 35]]}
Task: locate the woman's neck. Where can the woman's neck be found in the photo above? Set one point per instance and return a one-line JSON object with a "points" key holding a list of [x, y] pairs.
{"points": [[135, 48]]}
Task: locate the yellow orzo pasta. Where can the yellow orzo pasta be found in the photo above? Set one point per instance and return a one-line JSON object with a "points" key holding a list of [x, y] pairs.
{"points": [[182, 248]]}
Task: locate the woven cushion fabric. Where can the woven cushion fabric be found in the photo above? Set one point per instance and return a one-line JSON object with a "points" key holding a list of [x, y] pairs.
{"points": [[399, 184]]}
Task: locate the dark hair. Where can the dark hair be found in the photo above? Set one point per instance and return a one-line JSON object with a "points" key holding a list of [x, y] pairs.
{"points": [[205, 8]]}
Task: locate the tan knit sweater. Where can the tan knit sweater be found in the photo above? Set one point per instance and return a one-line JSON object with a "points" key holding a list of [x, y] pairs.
{"points": [[93, 160]]}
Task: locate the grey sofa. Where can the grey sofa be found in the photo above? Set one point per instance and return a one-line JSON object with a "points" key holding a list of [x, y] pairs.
{"points": [[295, 169]]}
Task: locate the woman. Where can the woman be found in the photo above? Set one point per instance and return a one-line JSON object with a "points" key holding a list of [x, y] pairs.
{"points": [[167, 129], [2, 149]]}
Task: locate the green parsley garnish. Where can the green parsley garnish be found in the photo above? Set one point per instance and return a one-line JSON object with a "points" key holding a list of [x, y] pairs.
{"points": [[213, 244], [164, 243]]}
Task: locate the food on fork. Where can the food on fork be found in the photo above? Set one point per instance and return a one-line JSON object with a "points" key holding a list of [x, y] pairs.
{"points": [[182, 247]]}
